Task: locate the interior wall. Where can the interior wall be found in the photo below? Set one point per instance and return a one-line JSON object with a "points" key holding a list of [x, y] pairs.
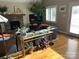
{"points": [[63, 18]]}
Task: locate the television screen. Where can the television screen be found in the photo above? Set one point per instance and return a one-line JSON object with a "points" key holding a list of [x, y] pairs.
{"points": [[34, 18]]}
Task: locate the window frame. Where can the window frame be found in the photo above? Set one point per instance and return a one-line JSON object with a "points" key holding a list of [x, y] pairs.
{"points": [[54, 6]]}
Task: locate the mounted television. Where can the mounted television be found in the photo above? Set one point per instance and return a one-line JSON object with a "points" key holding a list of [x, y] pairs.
{"points": [[34, 18]]}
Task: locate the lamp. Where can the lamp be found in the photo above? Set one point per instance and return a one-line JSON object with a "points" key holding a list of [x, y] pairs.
{"points": [[2, 21]]}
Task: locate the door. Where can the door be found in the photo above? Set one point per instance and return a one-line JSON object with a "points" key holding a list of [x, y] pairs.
{"points": [[74, 23]]}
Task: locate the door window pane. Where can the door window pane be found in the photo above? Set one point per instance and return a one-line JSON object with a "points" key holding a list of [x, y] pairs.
{"points": [[74, 26]]}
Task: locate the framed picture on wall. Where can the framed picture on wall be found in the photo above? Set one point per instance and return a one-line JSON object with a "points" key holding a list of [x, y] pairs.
{"points": [[62, 8]]}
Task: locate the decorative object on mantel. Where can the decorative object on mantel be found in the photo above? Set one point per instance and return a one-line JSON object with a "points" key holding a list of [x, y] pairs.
{"points": [[17, 10], [3, 9], [14, 8]]}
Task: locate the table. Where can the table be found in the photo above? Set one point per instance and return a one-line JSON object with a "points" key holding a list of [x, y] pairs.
{"points": [[35, 36], [47, 53], [23, 39], [26, 38]]}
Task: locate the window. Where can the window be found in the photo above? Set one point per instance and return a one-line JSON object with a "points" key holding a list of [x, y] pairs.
{"points": [[51, 13]]}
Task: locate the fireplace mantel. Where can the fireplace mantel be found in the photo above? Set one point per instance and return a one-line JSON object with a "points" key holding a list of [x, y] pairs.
{"points": [[12, 14]]}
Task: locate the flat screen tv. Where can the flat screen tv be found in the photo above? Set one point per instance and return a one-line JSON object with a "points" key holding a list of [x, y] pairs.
{"points": [[34, 18]]}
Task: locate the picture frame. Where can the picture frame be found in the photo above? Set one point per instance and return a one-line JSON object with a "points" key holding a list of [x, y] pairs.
{"points": [[62, 8]]}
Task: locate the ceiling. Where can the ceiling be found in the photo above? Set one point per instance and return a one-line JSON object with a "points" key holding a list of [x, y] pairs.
{"points": [[21, 1]]}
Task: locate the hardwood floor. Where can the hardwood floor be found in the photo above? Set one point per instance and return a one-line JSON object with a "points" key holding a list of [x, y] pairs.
{"points": [[67, 46]]}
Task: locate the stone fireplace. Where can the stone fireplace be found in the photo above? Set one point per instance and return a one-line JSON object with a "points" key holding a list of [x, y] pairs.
{"points": [[14, 21]]}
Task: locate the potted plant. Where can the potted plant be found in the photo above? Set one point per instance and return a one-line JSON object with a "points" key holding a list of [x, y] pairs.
{"points": [[3, 9], [37, 8]]}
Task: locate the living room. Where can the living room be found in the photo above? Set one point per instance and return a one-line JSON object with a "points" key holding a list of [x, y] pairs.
{"points": [[56, 21]]}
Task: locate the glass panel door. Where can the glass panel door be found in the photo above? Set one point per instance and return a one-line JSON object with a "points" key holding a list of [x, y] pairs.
{"points": [[74, 25]]}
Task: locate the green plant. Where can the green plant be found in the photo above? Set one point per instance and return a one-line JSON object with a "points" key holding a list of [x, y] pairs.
{"points": [[3, 9], [37, 8]]}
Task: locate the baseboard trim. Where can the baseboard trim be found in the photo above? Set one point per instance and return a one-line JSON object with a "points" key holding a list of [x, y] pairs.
{"points": [[68, 34], [62, 32]]}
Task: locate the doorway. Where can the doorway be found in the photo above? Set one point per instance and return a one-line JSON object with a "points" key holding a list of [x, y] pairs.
{"points": [[74, 23]]}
